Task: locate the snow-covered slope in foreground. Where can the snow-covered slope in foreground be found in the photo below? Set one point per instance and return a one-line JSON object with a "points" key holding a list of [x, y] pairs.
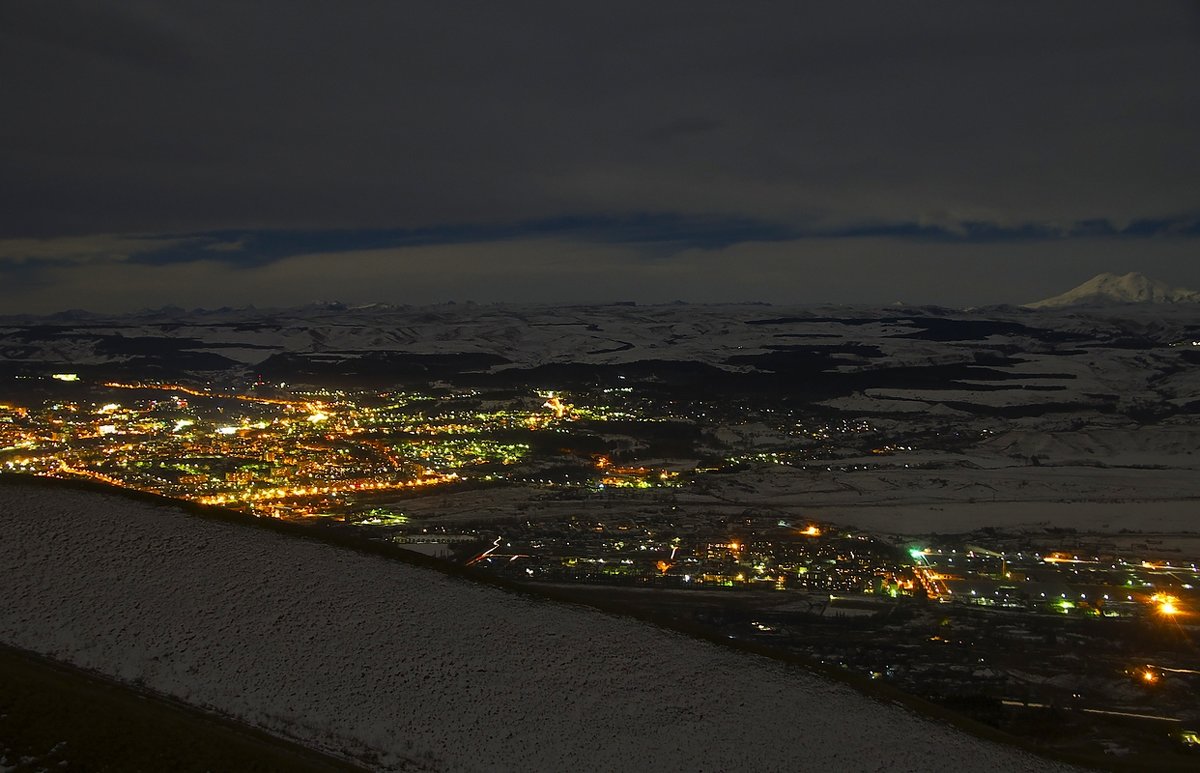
{"points": [[358, 654], [1113, 288]]}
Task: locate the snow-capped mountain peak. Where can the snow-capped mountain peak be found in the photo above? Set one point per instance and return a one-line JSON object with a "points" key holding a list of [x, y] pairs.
{"points": [[1112, 288]]}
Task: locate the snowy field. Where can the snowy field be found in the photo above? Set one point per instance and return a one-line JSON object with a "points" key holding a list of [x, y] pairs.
{"points": [[1167, 517], [409, 669], [1046, 342]]}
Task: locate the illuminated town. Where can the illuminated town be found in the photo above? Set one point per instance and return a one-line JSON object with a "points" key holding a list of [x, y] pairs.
{"points": [[1006, 626], [283, 454]]}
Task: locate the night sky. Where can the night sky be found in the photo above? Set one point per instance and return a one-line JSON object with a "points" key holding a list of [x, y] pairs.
{"points": [[280, 152]]}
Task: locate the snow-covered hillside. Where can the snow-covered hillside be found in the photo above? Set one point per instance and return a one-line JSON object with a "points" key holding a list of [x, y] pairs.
{"points": [[1114, 288], [473, 338], [412, 670]]}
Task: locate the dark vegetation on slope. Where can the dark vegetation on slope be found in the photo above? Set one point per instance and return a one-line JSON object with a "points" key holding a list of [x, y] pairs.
{"points": [[56, 717]]}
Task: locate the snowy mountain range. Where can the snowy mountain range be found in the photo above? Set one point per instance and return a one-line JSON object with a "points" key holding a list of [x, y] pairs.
{"points": [[1112, 288]]}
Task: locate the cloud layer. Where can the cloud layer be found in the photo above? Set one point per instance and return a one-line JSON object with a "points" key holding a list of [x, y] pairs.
{"points": [[246, 135]]}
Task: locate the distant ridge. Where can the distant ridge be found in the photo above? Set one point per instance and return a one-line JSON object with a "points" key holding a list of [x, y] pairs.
{"points": [[1111, 288]]}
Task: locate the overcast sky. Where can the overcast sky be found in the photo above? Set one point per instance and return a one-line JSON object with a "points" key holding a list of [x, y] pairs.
{"points": [[278, 152]]}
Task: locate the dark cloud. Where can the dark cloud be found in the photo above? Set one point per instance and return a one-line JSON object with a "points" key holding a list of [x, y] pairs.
{"points": [[138, 36], [441, 123], [681, 128], [650, 235]]}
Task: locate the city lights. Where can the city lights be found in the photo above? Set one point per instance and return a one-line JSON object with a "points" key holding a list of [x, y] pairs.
{"points": [[1167, 605]]}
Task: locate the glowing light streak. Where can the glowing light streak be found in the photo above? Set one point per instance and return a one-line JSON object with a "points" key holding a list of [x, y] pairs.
{"points": [[267, 495]]}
